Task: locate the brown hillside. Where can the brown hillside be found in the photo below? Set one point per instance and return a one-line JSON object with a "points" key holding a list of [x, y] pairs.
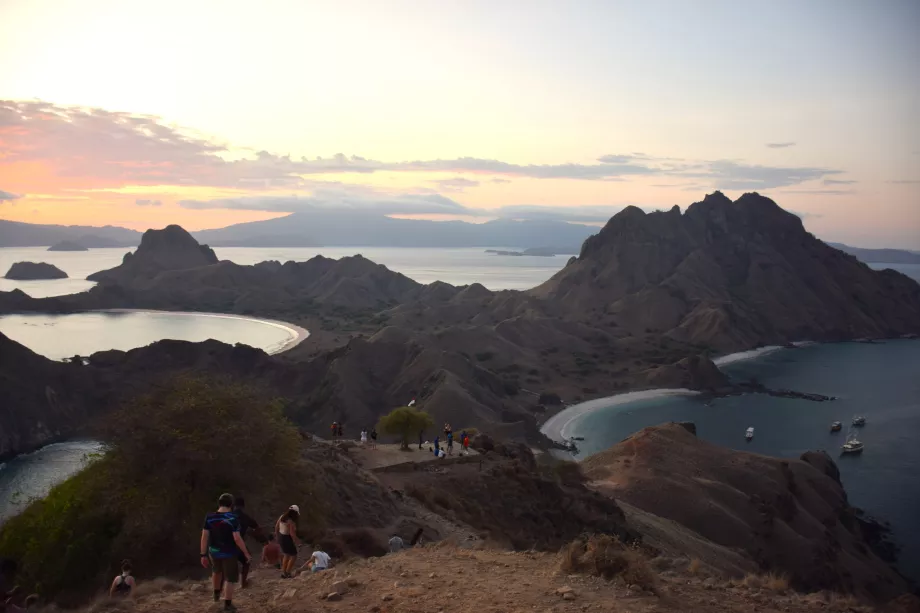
{"points": [[786, 515]]}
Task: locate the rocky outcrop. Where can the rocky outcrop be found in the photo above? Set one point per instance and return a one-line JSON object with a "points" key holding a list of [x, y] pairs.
{"points": [[31, 271], [68, 246], [729, 276], [171, 248], [787, 516]]}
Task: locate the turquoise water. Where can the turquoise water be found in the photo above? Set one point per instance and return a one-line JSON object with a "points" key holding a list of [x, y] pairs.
{"points": [[880, 381], [63, 336]]}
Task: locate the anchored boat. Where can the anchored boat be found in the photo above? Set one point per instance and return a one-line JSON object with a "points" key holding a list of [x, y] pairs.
{"points": [[749, 433], [836, 426]]}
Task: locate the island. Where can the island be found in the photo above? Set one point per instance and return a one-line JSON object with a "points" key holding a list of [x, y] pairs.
{"points": [[68, 246], [34, 271], [543, 252]]}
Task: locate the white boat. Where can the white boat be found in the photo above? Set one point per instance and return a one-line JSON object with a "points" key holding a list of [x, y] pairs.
{"points": [[853, 445], [859, 420], [749, 433]]}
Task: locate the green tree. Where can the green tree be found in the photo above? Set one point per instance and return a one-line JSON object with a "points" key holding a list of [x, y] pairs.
{"points": [[404, 422]]}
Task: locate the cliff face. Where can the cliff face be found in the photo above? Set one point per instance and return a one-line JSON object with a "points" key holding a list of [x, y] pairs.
{"points": [[731, 275], [788, 516]]}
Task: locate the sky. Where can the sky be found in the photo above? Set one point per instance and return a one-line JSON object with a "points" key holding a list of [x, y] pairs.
{"points": [[207, 113]]}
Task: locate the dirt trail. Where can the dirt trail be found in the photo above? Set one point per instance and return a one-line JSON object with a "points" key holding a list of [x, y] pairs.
{"points": [[460, 580]]}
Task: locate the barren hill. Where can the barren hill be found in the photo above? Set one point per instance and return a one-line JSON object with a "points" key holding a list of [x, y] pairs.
{"points": [[787, 516]]}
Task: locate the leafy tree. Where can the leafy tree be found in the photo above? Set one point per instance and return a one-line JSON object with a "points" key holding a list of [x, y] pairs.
{"points": [[405, 422]]}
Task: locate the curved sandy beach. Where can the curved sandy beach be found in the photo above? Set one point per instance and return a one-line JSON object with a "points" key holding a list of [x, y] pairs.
{"points": [[298, 334]]}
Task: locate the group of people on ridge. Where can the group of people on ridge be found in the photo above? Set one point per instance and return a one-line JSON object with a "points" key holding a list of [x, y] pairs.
{"points": [[449, 437], [223, 548]]}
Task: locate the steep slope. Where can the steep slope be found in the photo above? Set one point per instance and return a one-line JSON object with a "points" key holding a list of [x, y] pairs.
{"points": [[728, 276], [788, 516]]}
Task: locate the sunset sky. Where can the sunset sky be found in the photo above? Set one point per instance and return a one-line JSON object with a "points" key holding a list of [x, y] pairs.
{"points": [[204, 113]]}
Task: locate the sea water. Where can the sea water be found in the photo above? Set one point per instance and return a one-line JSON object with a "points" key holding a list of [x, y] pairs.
{"points": [[878, 380]]}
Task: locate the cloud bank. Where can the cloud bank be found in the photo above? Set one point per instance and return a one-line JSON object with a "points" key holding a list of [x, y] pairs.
{"points": [[127, 149], [8, 196]]}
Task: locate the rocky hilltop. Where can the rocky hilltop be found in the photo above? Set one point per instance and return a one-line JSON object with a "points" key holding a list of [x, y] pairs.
{"points": [[788, 516], [171, 248], [729, 276], [30, 271]]}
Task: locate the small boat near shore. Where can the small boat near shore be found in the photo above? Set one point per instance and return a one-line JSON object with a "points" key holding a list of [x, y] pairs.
{"points": [[749, 433], [852, 446], [859, 420], [836, 426]]}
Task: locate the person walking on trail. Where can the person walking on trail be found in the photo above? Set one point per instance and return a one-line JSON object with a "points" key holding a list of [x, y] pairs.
{"points": [[286, 528], [123, 585], [437, 446], [246, 523], [220, 546], [335, 430], [364, 437], [271, 553], [341, 432], [373, 438], [466, 444], [450, 443]]}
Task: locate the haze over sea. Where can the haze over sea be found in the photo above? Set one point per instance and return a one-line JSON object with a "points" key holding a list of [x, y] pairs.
{"points": [[878, 380]]}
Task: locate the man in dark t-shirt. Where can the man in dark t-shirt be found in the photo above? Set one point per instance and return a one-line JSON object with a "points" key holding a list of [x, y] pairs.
{"points": [[246, 523], [221, 543]]}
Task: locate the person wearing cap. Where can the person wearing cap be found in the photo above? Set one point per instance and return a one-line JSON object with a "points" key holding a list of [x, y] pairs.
{"points": [[286, 528], [220, 544]]}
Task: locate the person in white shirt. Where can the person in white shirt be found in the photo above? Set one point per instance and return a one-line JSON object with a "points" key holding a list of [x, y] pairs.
{"points": [[320, 560], [364, 437]]}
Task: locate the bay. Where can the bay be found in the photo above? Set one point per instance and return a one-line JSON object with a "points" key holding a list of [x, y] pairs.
{"points": [[878, 380]]}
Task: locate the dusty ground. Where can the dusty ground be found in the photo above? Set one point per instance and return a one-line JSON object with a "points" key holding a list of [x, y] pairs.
{"points": [[446, 578], [389, 455]]}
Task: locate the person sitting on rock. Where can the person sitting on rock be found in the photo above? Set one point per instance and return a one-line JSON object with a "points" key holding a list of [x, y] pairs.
{"points": [[123, 585], [319, 561], [396, 543]]}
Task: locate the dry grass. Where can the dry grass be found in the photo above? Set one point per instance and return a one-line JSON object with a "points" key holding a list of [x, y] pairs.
{"points": [[770, 581], [694, 566], [607, 557]]}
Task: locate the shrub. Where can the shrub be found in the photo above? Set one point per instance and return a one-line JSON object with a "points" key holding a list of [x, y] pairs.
{"points": [[405, 422], [171, 454], [606, 556]]}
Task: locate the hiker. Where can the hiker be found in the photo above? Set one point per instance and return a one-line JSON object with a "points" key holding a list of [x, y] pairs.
{"points": [[271, 553], [373, 438], [320, 560], [446, 429], [450, 443], [341, 432], [123, 585], [421, 438], [246, 522], [220, 545], [364, 436], [466, 444], [335, 430], [437, 445], [286, 527], [396, 543]]}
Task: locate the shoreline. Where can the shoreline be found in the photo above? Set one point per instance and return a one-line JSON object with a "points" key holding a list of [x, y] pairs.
{"points": [[557, 427], [298, 334]]}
